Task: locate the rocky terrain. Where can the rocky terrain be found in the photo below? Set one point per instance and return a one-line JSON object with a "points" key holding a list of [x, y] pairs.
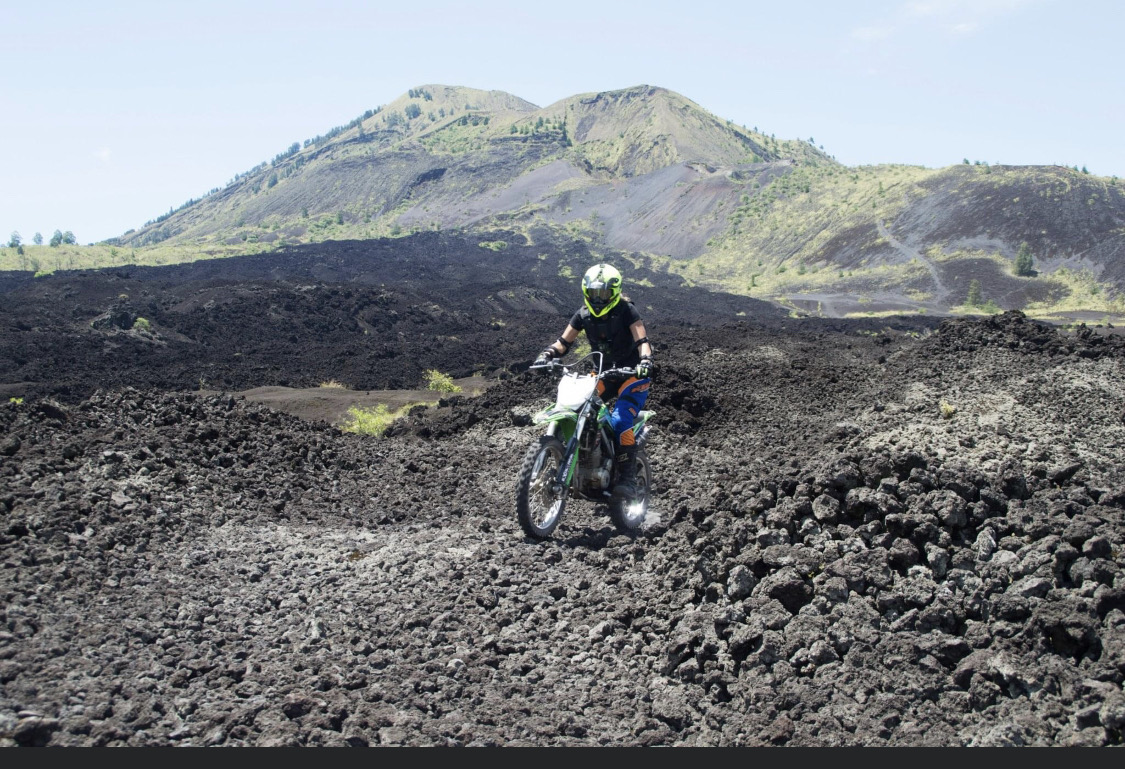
{"points": [[902, 531]]}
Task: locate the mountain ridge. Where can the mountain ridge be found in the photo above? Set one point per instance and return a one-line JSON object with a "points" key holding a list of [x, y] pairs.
{"points": [[647, 170]]}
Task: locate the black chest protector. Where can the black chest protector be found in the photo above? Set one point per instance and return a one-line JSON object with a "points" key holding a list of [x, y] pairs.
{"points": [[610, 334]]}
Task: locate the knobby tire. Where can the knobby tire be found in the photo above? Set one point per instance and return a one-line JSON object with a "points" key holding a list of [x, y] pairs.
{"points": [[539, 512]]}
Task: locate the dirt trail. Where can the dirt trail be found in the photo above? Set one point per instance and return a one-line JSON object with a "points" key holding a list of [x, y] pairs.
{"points": [[331, 404], [941, 291]]}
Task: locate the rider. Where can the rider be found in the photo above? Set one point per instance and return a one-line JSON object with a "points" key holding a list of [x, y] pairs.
{"points": [[614, 328]]}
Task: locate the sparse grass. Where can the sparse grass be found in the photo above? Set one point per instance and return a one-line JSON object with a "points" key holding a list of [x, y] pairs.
{"points": [[988, 308], [580, 348], [439, 382], [372, 421], [1077, 291], [333, 385], [884, 313], [809, 207], [16, 401], [947, 410], [43, 260]]}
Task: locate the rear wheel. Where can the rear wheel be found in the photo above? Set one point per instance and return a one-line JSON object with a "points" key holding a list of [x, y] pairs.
{"points": [[628, 514], [539, 504]]}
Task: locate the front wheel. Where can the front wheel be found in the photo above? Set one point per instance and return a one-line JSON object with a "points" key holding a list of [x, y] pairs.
{"points": [[628, 514], [539, 504]]}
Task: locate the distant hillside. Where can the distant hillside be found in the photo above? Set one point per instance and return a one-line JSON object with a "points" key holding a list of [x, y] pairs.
{"points": [[445, 157], [902, 237], [647, 170]]}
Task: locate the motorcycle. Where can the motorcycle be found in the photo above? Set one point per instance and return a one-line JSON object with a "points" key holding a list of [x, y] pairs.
{"points": [[575, 455]]}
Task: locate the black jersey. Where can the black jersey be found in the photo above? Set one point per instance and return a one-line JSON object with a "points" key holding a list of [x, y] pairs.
{"points": [[610, 334]]}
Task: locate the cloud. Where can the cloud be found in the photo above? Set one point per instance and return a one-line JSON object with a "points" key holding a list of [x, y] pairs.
{"points": [[103, 155], [965, 28]]}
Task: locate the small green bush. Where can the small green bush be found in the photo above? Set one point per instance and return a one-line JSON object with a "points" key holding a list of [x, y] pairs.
{"points": [[442, 383], [142, 324], [373, 421], [581, 348]]}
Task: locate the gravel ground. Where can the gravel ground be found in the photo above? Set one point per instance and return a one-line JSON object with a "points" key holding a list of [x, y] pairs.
{"points": [[860, 535]]}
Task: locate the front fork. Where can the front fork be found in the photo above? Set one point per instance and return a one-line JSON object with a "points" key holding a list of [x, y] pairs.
{"points": [[570, 455]]}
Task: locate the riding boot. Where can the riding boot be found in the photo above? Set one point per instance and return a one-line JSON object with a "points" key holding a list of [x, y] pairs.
{"points": [[626, 483]]}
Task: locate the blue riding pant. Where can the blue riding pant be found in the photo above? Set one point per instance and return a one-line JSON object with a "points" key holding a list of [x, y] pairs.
{"points": [[630, 399]]}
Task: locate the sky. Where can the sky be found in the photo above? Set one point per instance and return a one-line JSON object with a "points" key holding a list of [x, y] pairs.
{"points": [[114, 112]]}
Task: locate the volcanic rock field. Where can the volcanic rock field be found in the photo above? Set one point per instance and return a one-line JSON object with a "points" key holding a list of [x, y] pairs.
{"points": [[890, 531]]}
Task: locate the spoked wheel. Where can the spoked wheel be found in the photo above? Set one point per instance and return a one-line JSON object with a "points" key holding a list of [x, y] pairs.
{"points": [[539, 504], [628, 515]]}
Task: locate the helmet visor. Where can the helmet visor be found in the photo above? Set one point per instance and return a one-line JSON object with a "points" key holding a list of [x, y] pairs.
{"points": [[599, 296]]}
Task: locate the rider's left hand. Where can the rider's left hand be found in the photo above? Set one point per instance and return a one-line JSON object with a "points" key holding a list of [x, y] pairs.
{"points": [[645, 368]]}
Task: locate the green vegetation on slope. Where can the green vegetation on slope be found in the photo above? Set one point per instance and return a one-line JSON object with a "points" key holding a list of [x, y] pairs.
{"points": [[647, 170]]}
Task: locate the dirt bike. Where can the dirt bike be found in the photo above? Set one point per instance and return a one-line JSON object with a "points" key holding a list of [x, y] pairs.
{"points": [[575, 455]]}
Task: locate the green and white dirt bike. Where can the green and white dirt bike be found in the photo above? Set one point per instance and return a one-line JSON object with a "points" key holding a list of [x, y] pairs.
{"points": [[575, 455]]}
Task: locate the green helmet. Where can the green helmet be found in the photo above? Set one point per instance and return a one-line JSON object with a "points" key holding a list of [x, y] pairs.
{"points": [[601, 288]]}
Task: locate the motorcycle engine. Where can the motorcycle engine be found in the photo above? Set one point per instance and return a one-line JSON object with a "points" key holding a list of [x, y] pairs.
{"points": [[594, 470]]}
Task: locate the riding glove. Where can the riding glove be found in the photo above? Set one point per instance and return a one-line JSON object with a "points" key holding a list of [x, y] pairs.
{"points": [[645, 368]]}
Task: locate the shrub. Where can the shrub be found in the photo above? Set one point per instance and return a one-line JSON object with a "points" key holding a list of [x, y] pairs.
{"points": [[332, 383], [373, 421], [974, 297], [368, 421], [1025, 261], [581, 348], [442, 383], [142, 324], [947, 410]]}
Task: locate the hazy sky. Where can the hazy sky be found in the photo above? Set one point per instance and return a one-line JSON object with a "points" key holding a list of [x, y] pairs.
{"points": [[114, 112]]}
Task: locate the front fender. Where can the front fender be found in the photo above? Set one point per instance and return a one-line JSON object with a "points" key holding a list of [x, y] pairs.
{"points": [[555, 414], [565, 419]]}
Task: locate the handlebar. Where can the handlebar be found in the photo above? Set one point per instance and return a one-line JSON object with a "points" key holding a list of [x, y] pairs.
{"points": [[549, 366], [555, 365]]}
